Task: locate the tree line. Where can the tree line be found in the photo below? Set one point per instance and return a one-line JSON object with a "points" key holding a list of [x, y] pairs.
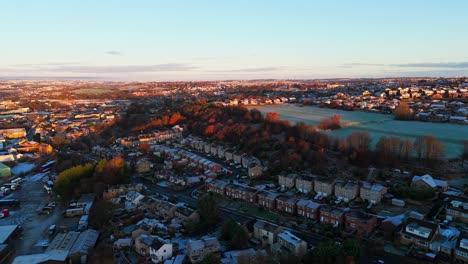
{"points": [[91, 177]]}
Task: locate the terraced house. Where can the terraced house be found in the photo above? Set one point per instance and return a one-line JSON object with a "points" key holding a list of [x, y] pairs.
{"points": [[216, 186], [308, 208], [346, 190], [267, 199], [243, 193], [287, 181], [372, 192], [286, 204], [361, 223], [331, 215], [305, 184], [324, 186]]}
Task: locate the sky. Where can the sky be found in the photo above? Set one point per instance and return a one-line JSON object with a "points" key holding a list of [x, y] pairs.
{"points": [[219, 40]]}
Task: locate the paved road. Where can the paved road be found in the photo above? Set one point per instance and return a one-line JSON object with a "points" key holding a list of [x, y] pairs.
{"points": [[31, 196]]}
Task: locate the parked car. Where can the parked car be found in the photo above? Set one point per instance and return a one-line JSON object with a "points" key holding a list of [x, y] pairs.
{"points": [[46, 210], [52, 230]]}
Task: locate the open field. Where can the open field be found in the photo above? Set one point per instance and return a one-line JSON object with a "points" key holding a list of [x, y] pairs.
{"points": [[93, 91], [378, 125]]}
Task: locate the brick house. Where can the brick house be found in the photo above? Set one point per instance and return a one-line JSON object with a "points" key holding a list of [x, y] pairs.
{"points": [[305, 184], [255, 170], [418, 233], [243, 193], [324, 185], [372, 192], [331, 215], [346, 190], [286, 204], [360, 222], [216, 186], [308, 209], [287, 181], [266, 199]]}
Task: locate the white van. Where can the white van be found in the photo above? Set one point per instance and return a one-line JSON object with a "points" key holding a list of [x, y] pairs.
{"points": [[83, 223]]}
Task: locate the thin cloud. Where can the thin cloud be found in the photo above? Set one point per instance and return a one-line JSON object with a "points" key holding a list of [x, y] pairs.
{"points": [[252, 70], [454, 65], [74, 68], [114, 53], [457, 65], [349, 65], [45, 64], [168, 67], [25, 77]]}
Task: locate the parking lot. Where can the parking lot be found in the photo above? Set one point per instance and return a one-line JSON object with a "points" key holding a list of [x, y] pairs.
{"points": [[32, 197]]}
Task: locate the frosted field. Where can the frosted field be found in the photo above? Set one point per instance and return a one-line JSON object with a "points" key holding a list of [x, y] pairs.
{"points": [[376, 124]]}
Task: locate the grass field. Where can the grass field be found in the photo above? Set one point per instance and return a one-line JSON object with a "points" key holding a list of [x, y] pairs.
{"points": [[92, 91], [377, 125]]}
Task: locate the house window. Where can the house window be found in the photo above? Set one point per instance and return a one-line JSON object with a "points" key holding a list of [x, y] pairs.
{"points": [[422, 242]]}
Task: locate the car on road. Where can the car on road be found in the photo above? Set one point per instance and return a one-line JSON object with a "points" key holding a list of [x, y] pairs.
{"points": [[52, 230], [46, 210], [45, 243], [52, 204]]}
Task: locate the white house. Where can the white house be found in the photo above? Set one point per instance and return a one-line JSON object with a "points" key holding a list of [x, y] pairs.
{"points": [[134, 197], [160, 250]]}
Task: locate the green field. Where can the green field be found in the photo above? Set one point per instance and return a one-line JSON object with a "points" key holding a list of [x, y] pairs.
{"points": [[378, 125], [93, 91]]}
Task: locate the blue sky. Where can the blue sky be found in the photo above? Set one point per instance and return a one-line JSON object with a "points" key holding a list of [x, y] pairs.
{"points": [[206, 40]]}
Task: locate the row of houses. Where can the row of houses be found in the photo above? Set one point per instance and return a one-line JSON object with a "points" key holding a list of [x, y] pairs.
{"points": [[354, 221], [253, 164], [339, 188], [12, 133], [187, 158], [151, 138]]}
